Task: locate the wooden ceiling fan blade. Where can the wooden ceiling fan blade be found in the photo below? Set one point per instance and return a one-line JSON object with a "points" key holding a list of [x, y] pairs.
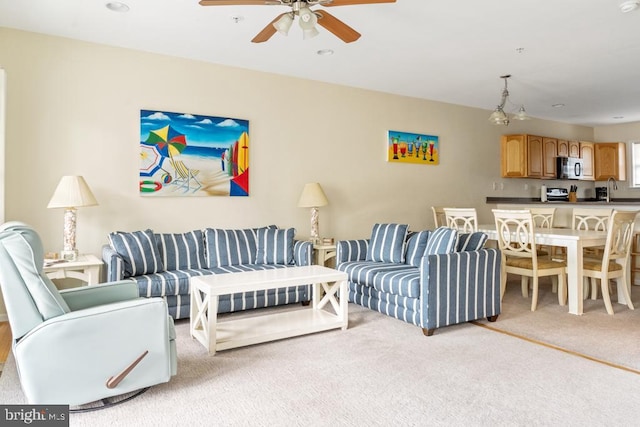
{"points": [[238, 2], [337, 27], [354, 2], [267, 31]]}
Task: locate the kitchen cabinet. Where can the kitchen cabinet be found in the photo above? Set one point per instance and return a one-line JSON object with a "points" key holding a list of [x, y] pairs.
{"points": [[610, 161], [521, 156], [535, 156], [532, 156], [549, 154], [587, 155], [568, 148], [513, 158]]}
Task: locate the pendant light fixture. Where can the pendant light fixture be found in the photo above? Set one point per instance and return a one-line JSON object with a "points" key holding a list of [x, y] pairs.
{"points": [[499, 117]]}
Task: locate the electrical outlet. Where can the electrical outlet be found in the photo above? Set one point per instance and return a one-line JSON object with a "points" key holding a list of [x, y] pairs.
{"points": [[495, 186], [502, 186], [526, 186]]}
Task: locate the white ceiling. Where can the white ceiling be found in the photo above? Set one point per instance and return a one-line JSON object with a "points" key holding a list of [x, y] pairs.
{"points": [[581, 53]]}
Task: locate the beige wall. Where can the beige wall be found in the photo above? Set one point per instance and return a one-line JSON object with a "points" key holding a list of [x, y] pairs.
{"points": [[73, 108]]}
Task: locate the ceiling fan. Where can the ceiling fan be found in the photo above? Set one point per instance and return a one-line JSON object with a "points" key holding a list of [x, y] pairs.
{"points": [[307, 17]]}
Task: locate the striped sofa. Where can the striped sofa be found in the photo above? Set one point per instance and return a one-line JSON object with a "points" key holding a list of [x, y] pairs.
{"points": [[162, 263], [429, 278]]}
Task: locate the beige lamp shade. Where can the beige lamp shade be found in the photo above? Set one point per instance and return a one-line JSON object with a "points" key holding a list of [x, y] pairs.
{"points": [[312, 196], [72, 192]]}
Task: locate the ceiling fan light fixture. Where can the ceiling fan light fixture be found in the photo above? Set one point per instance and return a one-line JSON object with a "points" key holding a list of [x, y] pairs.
{"points": [[310, 33], [308, 19], [284, 23]]}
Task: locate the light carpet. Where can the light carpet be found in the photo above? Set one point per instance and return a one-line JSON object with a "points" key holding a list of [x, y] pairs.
{"points": [[596, 334], [379, 372]]}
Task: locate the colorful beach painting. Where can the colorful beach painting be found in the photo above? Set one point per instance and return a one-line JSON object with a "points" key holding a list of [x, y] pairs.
{"points": [[184, 154], [406, 147]]}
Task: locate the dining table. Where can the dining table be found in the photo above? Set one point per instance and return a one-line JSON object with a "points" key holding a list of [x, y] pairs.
{"points": [[574, 241]]}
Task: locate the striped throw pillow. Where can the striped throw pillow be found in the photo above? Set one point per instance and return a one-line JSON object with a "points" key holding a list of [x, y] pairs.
{"points": [[139, 251], [275, 246], [230, 247], [471, 241], [182, 251], [416, 244], [441, 241], [387, 243]]}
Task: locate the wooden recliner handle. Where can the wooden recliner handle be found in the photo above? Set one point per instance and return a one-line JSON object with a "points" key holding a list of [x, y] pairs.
{"points": [[113, 382]]}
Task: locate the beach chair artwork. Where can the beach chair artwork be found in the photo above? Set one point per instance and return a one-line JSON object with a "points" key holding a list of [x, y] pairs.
{"points": [[193, 155]]}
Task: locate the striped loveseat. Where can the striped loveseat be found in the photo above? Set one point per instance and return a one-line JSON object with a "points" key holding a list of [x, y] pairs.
{"points": [[162, 263], [428, 278]]}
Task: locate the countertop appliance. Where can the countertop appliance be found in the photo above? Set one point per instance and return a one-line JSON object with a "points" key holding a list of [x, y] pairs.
{"points": [[601, 193], [557, 194], [569, 168]]}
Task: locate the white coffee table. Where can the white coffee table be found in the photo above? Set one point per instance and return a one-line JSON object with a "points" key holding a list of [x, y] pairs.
{"points": [[275, 324]]}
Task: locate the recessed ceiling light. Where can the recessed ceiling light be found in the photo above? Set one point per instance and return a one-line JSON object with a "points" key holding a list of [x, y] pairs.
{"points": [[619, 117], [557, 105], [325, 52], [629, 5], [237, 18], [116, 6]]}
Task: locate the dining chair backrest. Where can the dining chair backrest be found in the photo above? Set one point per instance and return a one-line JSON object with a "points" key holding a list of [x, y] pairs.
{"points": [[515, 234], [439, 219], [591, 219], [543, 217], [464, 220], [619, 237]]}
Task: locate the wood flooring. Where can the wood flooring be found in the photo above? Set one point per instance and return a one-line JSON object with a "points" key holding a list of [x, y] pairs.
{"points": [[5, 341]]}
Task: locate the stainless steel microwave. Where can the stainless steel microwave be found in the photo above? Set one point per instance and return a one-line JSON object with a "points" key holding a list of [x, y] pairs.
{"points": [[569, 168]]}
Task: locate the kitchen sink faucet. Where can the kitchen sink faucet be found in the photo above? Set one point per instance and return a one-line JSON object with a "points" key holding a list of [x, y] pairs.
{"points": [[610, 190]]}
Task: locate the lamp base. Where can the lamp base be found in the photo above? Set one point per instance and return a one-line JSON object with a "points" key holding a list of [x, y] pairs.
{"points": [[69, 255]]}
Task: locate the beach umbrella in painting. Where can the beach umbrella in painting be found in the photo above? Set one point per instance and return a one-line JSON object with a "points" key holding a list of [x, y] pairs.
{"points": [[150, 160], [168, 141]]}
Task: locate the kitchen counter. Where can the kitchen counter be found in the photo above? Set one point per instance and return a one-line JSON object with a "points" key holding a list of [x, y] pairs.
{"points": [[564, 209], [536, 201]]}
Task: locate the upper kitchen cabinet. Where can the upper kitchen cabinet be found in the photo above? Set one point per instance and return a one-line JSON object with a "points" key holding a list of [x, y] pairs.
{"points": [[513, 157], [587, 151], [528, 156], [549, 154], [521, 156], [610, 161], [568, 148]]}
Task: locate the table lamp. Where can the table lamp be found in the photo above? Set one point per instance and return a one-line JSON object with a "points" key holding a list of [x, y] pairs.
{"points": [[72, 192], [313, 197]]}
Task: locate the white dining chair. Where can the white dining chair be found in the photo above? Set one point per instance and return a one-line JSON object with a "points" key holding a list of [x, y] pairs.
{"points": [[543, 218], [591, 219], [465, 220], [615, 259], [439, 219], [516, 241]]}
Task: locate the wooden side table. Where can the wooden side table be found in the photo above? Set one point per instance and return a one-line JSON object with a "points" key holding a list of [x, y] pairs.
{"points": [[85, 268], [323, 253]]}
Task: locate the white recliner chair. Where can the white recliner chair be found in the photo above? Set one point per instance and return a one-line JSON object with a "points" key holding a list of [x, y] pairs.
{"points": [[84, 344]]}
